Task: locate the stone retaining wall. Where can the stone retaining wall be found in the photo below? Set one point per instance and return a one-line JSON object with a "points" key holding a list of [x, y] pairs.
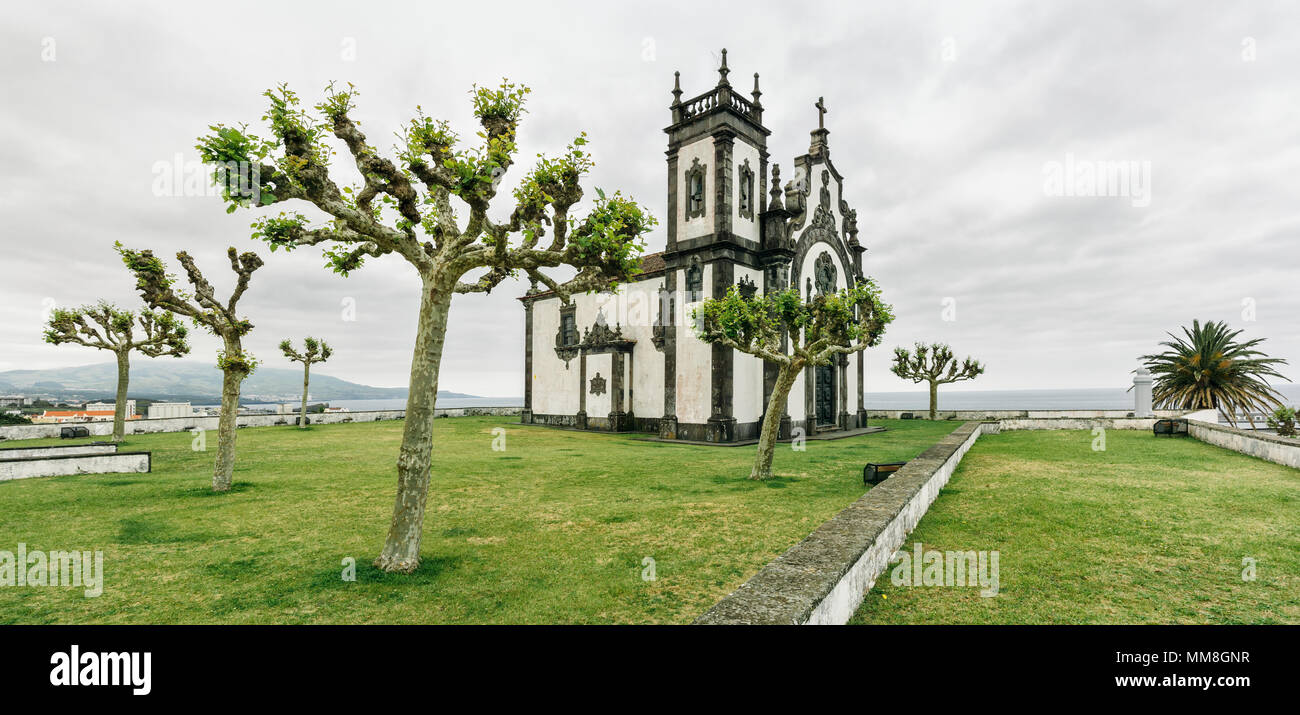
{"points": [[967, 415], [1280, 450], [823, 579], [70, 450], [118, 463], [185, 424], [1079, 423]]}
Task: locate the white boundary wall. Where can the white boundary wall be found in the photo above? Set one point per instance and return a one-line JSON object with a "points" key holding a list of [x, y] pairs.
{"points": [[119, 463], [185, 424]]}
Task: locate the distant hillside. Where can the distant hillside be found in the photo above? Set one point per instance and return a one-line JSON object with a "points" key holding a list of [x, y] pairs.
{"points": [[189, 380]]}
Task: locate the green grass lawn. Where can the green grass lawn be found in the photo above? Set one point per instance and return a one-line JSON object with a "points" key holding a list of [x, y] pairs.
{"points": [[552, 530], [1148, 531]]}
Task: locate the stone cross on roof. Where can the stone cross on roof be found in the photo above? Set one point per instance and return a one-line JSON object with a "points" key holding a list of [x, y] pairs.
{"points": [[821, 113]]}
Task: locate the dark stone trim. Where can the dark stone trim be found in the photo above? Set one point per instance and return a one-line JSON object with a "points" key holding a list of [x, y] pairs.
{"points": [[526, 415], [708, 123], [842, 390], [723, 141], [811, 237], [862, 409], [713, 247], [721, 385], [809, 399], [582, 389], [668, 425], [672, 201], [616, 382]]}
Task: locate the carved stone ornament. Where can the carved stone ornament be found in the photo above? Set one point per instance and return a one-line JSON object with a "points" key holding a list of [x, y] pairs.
{"points": [[824, 270], [746, 287]]}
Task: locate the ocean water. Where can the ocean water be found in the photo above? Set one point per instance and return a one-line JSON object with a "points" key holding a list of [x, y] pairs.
{"points": [[1095, 399], [1081, 399]]}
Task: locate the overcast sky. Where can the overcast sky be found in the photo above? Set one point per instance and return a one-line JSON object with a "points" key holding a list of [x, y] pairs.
{"points": [[948, 121]]}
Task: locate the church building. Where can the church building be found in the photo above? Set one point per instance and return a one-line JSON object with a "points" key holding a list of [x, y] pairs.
{"points": [[630, 359]]}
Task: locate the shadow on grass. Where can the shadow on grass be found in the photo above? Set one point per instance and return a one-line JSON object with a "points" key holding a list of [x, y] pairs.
{"points": [[206, 489], [744, 483], [144, 531], [431, 569]]}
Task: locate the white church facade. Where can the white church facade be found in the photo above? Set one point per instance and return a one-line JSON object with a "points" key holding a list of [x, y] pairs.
{"points": [[629, 359]]}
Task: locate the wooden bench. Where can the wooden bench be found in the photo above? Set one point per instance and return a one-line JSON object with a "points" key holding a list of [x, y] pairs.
{"points": [[1169, 427], [877, 473]]}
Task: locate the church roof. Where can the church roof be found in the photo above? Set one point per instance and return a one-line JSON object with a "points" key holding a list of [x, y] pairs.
{"points": [[652, 262]]}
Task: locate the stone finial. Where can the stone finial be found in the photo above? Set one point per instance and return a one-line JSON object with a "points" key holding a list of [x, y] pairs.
{"points": [[757, 92], [775, 201], [677, 89], [722, 71]]}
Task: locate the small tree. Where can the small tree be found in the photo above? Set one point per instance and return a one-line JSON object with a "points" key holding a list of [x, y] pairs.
{"points": [[156, 287], [409, 208], [106, 327], [827, 326], [1283, 421], [936, 365], [314, 351]]}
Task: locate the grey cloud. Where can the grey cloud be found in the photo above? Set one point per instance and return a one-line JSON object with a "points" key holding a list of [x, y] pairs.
{"points": [[943, 160]]}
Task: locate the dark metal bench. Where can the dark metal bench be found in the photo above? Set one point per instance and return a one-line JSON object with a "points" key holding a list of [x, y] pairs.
{"points": [[1169, 428], [73, 432], [877, 473]]}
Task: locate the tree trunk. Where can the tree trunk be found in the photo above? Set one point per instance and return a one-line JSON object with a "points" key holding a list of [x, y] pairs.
{"points": [[772, 421], [119, 408], [306, 377], [934, 399], [226, 426], [401, 551]]}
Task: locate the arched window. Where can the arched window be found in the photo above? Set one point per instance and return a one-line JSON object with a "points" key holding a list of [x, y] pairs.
{"points": [[695, 189]]}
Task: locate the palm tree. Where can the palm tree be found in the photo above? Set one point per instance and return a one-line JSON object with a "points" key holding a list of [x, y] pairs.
{"points": [[1211, 370]]}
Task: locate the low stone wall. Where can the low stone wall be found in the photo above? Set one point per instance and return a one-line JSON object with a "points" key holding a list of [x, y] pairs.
{"points": [[967, 415], [1081, 423], [1280, 450], [823, 579], [71, 450], [185, 424], [119, 463]]}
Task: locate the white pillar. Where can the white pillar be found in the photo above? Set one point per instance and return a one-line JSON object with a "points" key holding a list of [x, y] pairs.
{"points": [[1142, 393]]}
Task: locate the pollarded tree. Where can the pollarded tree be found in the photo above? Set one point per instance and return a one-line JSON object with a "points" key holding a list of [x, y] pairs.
{"points": [[829, 325], [406, 208], [157, 287], [106, 327], [313, 351], [936, 365]]}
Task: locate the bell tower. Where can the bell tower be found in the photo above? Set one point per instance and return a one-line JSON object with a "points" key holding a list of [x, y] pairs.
{"points": [[717, 169], [717, 166]]}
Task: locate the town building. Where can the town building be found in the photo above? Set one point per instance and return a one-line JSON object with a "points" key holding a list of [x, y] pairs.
{"points": [[110, 406], [163, 410]]}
